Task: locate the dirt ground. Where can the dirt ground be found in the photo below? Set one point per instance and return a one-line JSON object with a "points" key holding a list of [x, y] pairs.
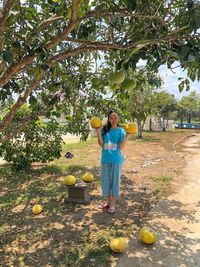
{"points": [[68, 234], [176, 221]]}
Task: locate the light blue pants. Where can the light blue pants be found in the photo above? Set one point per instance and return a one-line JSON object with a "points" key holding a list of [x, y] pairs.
{"points": [[110, 179]]}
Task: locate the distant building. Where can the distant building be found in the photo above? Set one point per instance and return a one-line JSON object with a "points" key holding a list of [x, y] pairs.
{"points": [[152, 124]]}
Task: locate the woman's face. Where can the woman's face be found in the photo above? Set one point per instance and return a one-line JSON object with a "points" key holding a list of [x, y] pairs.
{"points": [[113, 119]]}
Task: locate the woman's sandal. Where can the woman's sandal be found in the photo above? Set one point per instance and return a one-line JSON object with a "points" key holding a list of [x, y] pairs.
{"points": [[104, 206], [111, 210]]}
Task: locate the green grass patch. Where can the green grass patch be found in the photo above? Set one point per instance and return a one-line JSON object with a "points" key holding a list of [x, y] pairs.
{"points": [[162, 179], [79, 145]]}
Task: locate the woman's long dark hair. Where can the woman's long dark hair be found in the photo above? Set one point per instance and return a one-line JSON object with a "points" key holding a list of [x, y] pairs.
{"points": [[106, 128]]}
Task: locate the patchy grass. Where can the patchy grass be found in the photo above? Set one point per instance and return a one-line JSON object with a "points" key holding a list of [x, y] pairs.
{"points": [[68, 234], [161, 179]]}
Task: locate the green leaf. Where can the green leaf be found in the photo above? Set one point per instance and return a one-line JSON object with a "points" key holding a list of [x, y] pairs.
{"points": [[38, 73], [68, 14], [32, 100], [181, 87], [29, 25], [59, 10], [185, 51], [131, 4], [44, 67], [7, 56]]}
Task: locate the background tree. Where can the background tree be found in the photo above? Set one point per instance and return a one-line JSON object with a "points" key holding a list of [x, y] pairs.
{"points": [[43, 44], [165, 104], [189, 106], [138, 104]]}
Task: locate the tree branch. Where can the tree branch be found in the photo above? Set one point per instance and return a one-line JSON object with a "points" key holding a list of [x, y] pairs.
{"points": [[4, 13], [74, 20], [19, 66], [118, 13], [21, 100], [23, 124], [74, 10], [15, 68], [3, 16], [100, 14], [49, 21]]}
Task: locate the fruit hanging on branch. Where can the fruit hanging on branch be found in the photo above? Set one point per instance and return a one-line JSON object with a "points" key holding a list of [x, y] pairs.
{"points": [[117, 77], [128, 84]]}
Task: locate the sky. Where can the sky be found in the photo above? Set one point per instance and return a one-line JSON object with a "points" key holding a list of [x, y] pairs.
{"points": [[171, 82]]}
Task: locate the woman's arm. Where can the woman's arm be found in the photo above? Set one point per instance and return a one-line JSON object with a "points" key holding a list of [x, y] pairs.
{"points": [[100, 139], [123, 144]]}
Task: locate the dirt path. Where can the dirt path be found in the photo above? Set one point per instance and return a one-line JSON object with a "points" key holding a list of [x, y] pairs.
{"points": [[176, 221]]}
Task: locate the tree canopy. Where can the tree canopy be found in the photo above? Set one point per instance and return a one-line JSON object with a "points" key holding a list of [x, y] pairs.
{"points": [[56, 45]]}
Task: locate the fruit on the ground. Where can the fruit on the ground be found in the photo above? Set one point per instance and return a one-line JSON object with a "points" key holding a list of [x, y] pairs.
{"points": [[130, 128], [88, 177], [37, 209], [117, 77], [128, 84], [96, 122], [118, 244], [147, 236], [69, 180]]}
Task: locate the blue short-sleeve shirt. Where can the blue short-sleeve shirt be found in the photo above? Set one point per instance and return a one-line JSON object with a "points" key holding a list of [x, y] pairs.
{"points": [[111, 152]]}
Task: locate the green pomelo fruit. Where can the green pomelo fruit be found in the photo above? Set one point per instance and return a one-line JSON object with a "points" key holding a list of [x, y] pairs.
{"points": [[116, 86], [117, 77], [128, 84]]}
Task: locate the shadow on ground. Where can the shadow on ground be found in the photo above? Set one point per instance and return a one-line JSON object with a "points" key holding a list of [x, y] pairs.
{"points": [[64, 234], [173, 247]]}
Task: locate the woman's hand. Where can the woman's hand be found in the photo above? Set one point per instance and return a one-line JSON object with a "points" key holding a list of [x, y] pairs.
{"points": [[100, 139]]}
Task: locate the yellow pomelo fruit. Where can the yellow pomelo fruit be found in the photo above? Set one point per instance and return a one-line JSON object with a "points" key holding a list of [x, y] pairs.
{"points": [[117, 77], [37, 209], [118, 244], [69, 180], [128, 84], [130, 128], [88, 177], [125, 126], [96, 122], [147, 236]]}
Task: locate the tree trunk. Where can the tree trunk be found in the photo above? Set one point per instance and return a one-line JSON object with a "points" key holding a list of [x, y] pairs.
{"points": [[150, 125], [140, 130], [189, 118]]}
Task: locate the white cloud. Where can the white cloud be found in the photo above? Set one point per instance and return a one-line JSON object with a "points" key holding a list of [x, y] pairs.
{"points": [[171, 81]]}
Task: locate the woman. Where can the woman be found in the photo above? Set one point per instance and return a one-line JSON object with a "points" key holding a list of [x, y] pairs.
{"points": [[112, 139]]}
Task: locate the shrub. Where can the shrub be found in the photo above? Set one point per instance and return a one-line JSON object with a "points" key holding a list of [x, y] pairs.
{"points": [[39, 142]]}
